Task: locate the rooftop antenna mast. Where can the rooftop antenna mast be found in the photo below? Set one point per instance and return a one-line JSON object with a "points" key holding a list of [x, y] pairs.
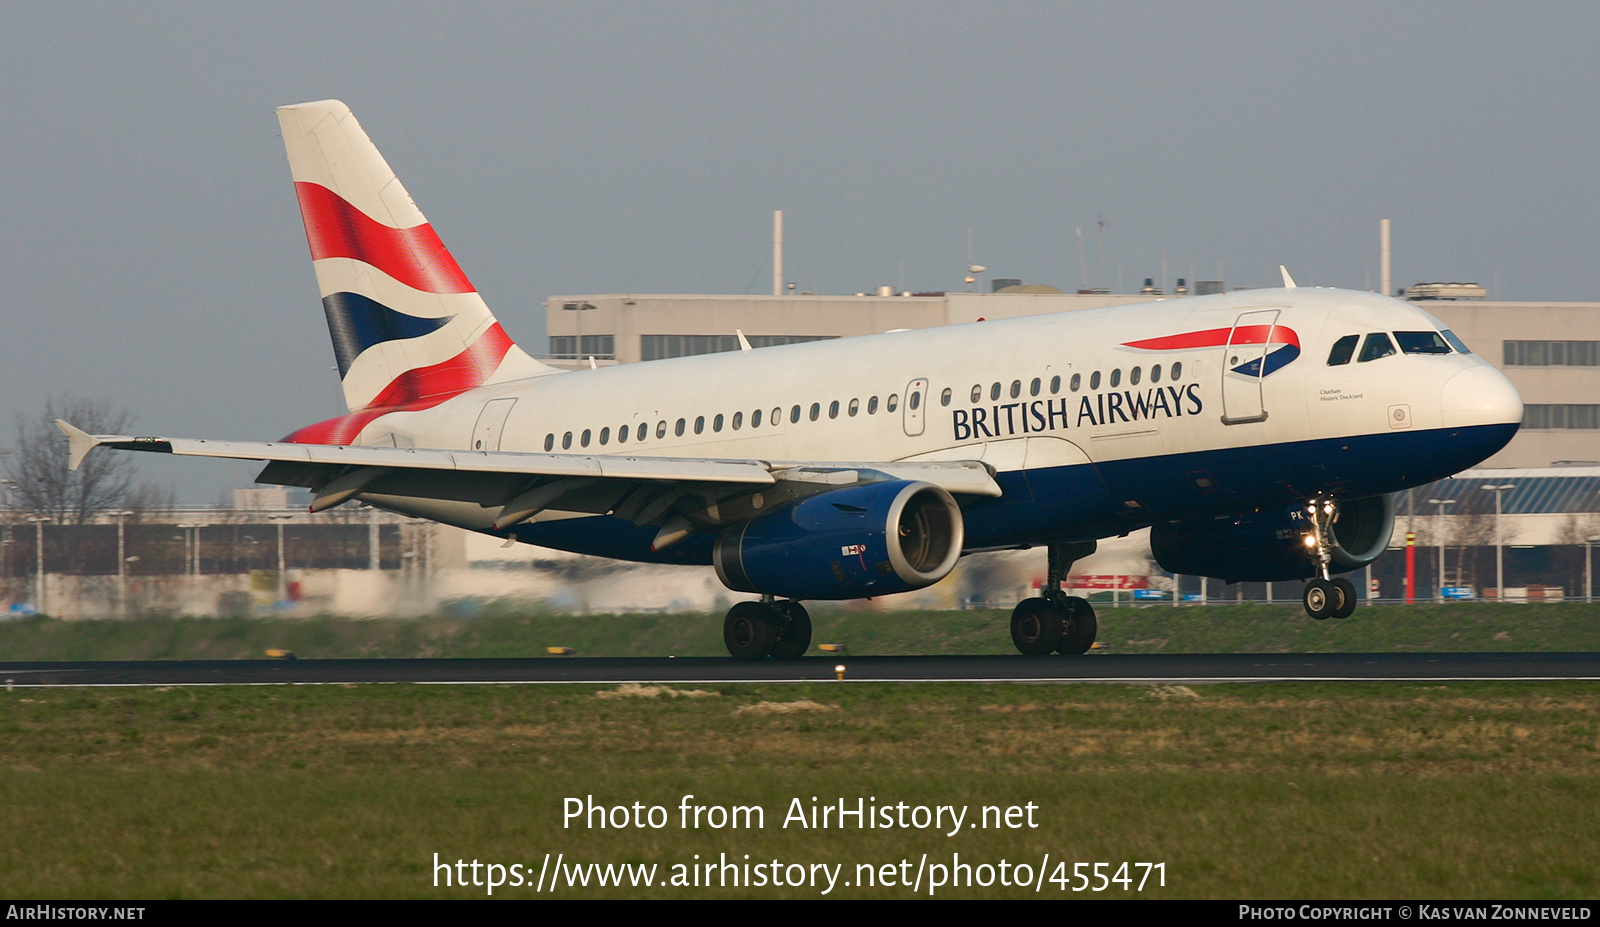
{"points": [[1103, 224], [1083, 262], [973, 270]]}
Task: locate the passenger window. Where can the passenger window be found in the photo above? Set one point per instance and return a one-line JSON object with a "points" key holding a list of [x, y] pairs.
{"points": [[1077, 381], [716, 423], [584, 441], [944, 399], [566, 441], [994, 393], [1133, 377], [1155, 374], [816, 410], [794, 415], [1055, 385], [644, 430], [622, 434], [699, 424], [677, 430], [777, 417], [855, 405], [755, 419], [833, 409], [549, 442], [977, 394], [1116, 378], [1016, 388], [1422, 342], [661, 428], [1177, 370], [894, 401], [1094, 380], [916, 401], [738, 420], [1377, 345], [872, 406], [1343, 350], [605, 435], [1033, 388]]}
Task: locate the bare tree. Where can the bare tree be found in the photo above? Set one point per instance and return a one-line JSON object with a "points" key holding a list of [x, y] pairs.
{"points": [[39, 463]]}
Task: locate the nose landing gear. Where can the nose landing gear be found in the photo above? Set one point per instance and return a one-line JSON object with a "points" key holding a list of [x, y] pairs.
{"points": [[1324, 597]]}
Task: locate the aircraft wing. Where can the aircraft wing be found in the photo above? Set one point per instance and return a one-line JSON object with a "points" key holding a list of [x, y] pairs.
{"points": [[645, 489]]}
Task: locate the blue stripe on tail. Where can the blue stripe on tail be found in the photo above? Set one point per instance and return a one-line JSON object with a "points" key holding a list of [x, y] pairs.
{"points": [[357, 323]]}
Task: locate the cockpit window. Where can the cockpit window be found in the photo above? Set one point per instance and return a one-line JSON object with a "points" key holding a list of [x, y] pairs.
{"points": [[1422, 342], [1343, 350], [1377, 345], [1455, 342]]}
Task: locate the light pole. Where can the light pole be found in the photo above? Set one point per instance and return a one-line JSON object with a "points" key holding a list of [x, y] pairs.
{"points": [[191, 561], [1441, 503], [1588, 567], [1499, 553], [38, 549], [122, 563], [283, 579]]}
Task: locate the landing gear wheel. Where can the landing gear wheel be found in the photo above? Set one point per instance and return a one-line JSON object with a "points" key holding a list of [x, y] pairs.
{"points": [[751, 630], [795, 633], [1322, 599], [1348, 606], [1036, 626], [1079, 626]]}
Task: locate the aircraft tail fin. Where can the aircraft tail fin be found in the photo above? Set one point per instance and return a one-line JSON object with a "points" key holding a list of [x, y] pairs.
{"points": [[407, 325]]}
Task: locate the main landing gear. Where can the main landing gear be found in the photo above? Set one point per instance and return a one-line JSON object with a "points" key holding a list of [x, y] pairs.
{"points": [[1056, 622], [768, 628], [1324, 597]]}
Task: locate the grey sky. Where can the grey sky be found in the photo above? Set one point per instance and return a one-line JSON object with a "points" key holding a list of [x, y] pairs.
{"points": [[153, 253]]}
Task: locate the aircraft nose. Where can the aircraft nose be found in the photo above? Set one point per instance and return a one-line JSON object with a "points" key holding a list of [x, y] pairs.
{"points": [[1480, 396]]}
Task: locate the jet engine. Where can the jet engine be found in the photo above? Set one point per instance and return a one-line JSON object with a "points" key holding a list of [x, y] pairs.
{"points": [[1270, 546], [863, 540]]}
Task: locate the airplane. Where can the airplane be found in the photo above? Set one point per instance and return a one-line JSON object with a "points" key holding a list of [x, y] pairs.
{"points": [[1260, 434]]}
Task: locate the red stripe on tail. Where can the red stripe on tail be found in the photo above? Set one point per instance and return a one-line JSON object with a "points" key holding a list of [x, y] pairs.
{"points": [[414, 256], [415, 390]]}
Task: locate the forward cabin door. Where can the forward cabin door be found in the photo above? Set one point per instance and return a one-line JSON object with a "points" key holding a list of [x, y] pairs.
{"points": [[1243, 365], [916, 415]]}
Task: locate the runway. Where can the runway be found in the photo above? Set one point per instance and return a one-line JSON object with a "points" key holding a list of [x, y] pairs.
{"points": [[1144, 669]]}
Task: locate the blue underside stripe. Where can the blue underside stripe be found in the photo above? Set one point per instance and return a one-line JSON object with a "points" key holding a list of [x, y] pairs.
{"points": [[1101, 500]]}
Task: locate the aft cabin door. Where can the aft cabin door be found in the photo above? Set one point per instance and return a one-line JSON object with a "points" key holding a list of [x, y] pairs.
{"points": [[916, 417], [491, 422], [1243, 363]]}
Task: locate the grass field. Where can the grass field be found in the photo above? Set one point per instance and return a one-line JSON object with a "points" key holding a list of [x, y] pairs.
{"points": [[1479, 790], [507, 630], [1487, 790]]}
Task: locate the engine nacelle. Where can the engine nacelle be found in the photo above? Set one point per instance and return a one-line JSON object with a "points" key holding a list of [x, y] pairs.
{"points": [[1270, 546], [865, 540]]}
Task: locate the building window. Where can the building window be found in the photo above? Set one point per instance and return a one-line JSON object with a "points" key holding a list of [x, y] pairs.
{"points": [[657, 347], [1585, 417], [1552, 353], [571, 346]]}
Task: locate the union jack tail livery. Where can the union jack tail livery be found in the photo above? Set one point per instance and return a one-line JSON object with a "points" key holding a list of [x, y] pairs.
{"points": [[409, 330]]}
